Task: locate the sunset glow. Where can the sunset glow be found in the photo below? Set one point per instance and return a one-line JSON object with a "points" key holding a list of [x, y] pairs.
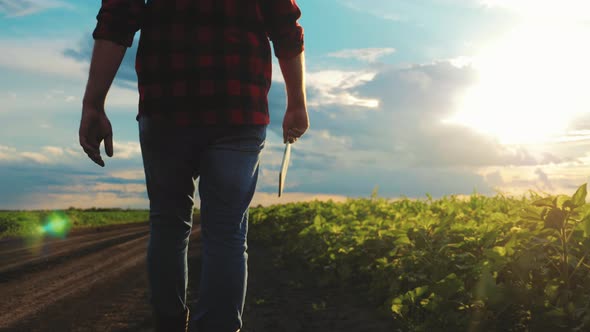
{"points": [[531, 84]]}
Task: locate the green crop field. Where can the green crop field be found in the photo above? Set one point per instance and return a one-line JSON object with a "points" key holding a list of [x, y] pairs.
{"points": [[475, 264], [472, 264]]}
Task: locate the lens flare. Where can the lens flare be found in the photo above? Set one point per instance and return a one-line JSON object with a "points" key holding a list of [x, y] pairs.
{"points": [[56, 224]]}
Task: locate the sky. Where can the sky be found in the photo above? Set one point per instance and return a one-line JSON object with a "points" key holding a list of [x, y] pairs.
{"points": [[445, 97]]}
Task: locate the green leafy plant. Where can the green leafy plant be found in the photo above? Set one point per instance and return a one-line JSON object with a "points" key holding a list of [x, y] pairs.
{"points": [[451, 264], [566, 226]]}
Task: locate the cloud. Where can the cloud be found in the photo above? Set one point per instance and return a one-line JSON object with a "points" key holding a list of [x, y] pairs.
{"points": [[36, 157], [53, 155], [377, 8], [126, 150], [562, 178], [350, 148], [414, 101], [360, 181], [29, 186], [544, 179], [549, 158], [78, 152], [59, 95], [364, 54], [129, 174], [54, 151], [7, 153], [66, 63], [50, 186], [122, 96], [579, 127], [126, 76], [11, 155], [336, 87], [20, 180], [25, 55], [123, 92], [18, 8], [495, 179]]}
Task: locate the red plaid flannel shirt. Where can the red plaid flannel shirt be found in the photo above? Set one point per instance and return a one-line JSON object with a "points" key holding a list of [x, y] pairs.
{"points": [[204, 62]]}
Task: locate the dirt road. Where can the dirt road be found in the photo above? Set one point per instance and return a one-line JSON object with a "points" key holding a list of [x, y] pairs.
{"points": [[95, 280]]}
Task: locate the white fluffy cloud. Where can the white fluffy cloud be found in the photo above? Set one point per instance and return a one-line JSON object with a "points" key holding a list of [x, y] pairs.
{"points": [[36, 157], [562, 178], [126, 150], [10, 154], [333, 87], [7, 153], [407, 132], [25, 54], [363, 54], [54, 155], [129, 174]]}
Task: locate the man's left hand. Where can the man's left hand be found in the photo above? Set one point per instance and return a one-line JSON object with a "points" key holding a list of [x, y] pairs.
{"points": [[94, 128]]}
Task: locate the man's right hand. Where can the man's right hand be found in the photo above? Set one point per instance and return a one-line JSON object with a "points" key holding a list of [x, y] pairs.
{"points": [[94, 128], [295, 123]]}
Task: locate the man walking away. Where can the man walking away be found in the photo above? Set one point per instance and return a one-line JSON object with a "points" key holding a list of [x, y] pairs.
{"points": [[204, 72]]}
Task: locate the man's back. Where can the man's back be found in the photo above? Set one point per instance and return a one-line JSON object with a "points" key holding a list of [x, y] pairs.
{"points": [[199, 62], [204, 62]]}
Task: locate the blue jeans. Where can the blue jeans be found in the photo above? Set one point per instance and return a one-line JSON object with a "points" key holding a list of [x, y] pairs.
{"points": [[226, 160]]}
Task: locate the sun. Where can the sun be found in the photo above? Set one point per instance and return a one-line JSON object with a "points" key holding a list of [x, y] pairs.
{"points": [[532, 83]]}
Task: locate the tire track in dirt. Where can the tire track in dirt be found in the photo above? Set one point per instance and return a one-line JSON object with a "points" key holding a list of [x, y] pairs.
{"points": [[117, 302], [16, 261], [15, 244], [34, 291]]}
